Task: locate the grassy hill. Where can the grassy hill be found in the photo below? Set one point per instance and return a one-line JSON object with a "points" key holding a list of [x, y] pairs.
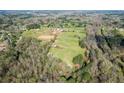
{"points": [[67, 46]]}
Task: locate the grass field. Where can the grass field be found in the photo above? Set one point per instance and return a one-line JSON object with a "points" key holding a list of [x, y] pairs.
{"points": [[67, 42], [36, 32], [68, 46]]}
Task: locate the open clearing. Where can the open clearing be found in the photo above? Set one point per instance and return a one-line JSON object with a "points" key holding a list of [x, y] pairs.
{"points": [[66, 44], [45, 34]]}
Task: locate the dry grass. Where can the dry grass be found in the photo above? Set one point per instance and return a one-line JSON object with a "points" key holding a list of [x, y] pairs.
{"points": [[46, 37]]}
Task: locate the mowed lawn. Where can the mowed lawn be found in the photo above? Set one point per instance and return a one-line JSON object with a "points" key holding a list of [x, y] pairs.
{"points": [[67, 46]]}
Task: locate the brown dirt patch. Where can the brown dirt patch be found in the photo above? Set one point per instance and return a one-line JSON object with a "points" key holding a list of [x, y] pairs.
{"points": [[50, 36], [46, 37]]}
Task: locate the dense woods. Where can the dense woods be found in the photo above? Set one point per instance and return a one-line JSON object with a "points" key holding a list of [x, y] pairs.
{"points": [[61, 46]]}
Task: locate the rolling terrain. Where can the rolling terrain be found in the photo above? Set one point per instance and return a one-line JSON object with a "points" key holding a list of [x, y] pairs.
{"points": [[62, 46]]}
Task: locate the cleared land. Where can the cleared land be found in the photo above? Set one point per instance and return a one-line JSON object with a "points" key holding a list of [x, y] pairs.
{"points": [[66, 44]]}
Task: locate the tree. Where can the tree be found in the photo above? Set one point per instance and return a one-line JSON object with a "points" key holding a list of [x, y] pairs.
{"points": [[33, 26]]}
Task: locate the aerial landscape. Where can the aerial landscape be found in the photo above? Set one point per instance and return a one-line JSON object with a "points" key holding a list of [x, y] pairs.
{"points": [[61, 46]]}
